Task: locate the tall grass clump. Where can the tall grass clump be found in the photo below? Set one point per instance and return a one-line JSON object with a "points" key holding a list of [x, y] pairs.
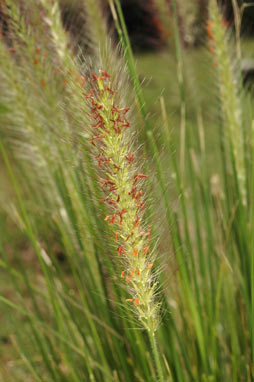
{"points": [[126, 226]]}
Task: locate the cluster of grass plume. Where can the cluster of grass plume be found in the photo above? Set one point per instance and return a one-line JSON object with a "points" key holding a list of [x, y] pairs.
{"points": [[69, 146]]}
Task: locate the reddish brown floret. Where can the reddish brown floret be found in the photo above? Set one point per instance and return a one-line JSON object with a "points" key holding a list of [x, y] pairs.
{"points": [[138, 177], [105, 74], [112, 202], [98, 125], [117, 167], [90, 94], [137, 301], [133, 192], [129, 158], [106, 182], [103, 199], [121, 213], [121, 251], [138, 195], [110, 90], [112, 220], [136, 224], [95, 78]]}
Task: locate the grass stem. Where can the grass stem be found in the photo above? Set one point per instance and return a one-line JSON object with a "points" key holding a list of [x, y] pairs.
{"points": [[156, 355]]}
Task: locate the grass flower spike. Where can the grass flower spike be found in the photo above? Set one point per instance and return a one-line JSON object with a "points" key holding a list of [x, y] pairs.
{"points": [[121, 183], [229, 91]]}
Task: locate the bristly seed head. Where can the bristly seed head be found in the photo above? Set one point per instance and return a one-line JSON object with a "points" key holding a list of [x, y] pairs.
{"points": [[121, 185]]}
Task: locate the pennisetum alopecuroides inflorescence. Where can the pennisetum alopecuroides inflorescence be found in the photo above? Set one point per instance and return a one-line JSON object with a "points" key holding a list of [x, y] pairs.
{"points": [[121, 183]]}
